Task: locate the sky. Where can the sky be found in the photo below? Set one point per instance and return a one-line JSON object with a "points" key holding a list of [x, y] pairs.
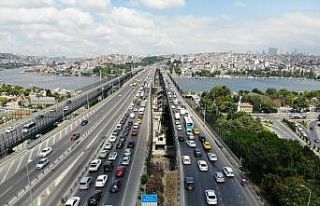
{"points": [[87, 28]]}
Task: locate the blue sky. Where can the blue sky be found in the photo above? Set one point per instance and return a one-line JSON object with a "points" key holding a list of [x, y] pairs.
{"points": [[89, 28]]}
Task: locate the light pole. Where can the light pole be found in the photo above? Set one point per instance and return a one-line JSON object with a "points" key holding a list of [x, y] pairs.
{"points": [[88, 101], [30, 192], [304, 186]]}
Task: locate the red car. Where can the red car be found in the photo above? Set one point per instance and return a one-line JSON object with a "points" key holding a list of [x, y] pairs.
{"points": [[75, 136], [120, 171], [134, 132]]}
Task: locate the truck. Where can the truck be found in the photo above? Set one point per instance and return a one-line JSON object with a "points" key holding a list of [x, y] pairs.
{"points": [[182, 111], [143, 103], [177, 116]]}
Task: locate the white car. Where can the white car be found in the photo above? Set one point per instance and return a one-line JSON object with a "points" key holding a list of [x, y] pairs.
{"points": [[203, 166], [108, 146], [101, 180], [191, 143], [113, 156], [179, 127], [191, 136], [42, 163], [125, 161], [130, 107], [177, 122], [219, 177], [135, 109], [45, 151], [10, 129], [73, 201], [136, 125], [212, 157], [103, 154], [173, 107], [112, 138], [228, 171], [211, 197], [127, 152], [94, 165], [186, 160]]}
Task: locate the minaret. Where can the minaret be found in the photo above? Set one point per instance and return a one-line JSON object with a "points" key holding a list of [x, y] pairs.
{"points": [[239, 104]]}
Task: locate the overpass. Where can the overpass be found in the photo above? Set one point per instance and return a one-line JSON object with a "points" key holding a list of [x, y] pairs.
{"points": [[45, 119]]}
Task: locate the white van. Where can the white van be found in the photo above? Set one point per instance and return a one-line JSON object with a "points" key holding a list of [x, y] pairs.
{"points": [[132, 115], [119, 126], [141, 110]]}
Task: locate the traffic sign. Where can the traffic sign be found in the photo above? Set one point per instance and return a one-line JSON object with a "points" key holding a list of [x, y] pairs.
{"points": [[149, 200]]}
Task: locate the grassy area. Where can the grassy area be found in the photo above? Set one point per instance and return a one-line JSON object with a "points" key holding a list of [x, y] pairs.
{"points": [[170, 188]]}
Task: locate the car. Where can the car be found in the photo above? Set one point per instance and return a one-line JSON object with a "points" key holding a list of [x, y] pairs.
{"points": [[65, 108], [212, 157], [177, 122], [211, 197], [196, 131], [125, 133], [120, 171], [139, 121], [123, 121], [130, 107], [181, 138], [52, 110], [202, 138], [95, 198], [134, 132], [219, 177], [136, 125], [115, 186], [207, 145], [127, 128], [120, 143], [42, 163], [228, 171], [191, 136], [203, 166], [135, 109], [103, 154], [127, 152], [112, 138], [130, 123], [115, 132], [113, 156], [191, 143], [186, 160], [108, 146], [94, 165], [197, 152], [10, 129], [173, 107], [189, 183], [317, 141], [85, 183], [131, 144], [108, 166], [179, 127], [84, 122], [45, 152], [75, 136], [101, 180], [73, 201], [125, 161]]}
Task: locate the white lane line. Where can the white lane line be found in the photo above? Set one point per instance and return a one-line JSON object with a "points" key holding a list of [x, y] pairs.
{"points": [[54, 139], [39, 201], [39, 146], [19, 164], [60, 135], [7, 172], [47, 142], [65, 131], [30, 154], [65, 172]]}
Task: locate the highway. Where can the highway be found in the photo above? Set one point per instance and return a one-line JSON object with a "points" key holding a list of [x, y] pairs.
{"points": [[98, 118], [44, 120], [229, 193], [130, 182]]}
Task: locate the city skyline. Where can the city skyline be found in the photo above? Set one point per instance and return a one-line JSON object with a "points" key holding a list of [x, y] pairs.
{"points": [[83, 28]]}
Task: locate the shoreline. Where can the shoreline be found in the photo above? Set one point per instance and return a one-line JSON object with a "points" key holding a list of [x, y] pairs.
{"points": [[244, 77]]}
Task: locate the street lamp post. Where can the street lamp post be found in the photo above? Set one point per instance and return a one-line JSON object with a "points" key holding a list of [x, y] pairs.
{"points": [[30, 191]]}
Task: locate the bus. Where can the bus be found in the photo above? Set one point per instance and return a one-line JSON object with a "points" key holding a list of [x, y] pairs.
{"points": [[28, 126], [188, 124]]}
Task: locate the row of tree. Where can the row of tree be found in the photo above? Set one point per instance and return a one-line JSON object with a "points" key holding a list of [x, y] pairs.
{"points": [[283, 169]]}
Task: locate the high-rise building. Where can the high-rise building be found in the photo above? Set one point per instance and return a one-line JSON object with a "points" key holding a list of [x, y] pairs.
{"points": [[273, 51]]}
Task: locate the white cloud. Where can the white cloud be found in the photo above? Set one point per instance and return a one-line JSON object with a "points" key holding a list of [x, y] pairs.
{"points": [[88, 5], [239, 4], [163, 4], [26, 3]]}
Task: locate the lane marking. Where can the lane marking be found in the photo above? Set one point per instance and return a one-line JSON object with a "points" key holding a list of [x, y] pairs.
{"points": [[65, 172], [7, 172], [47, 142], [30, 153], [60, 135], [39, 146], [54, 139], [19, 164]]}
